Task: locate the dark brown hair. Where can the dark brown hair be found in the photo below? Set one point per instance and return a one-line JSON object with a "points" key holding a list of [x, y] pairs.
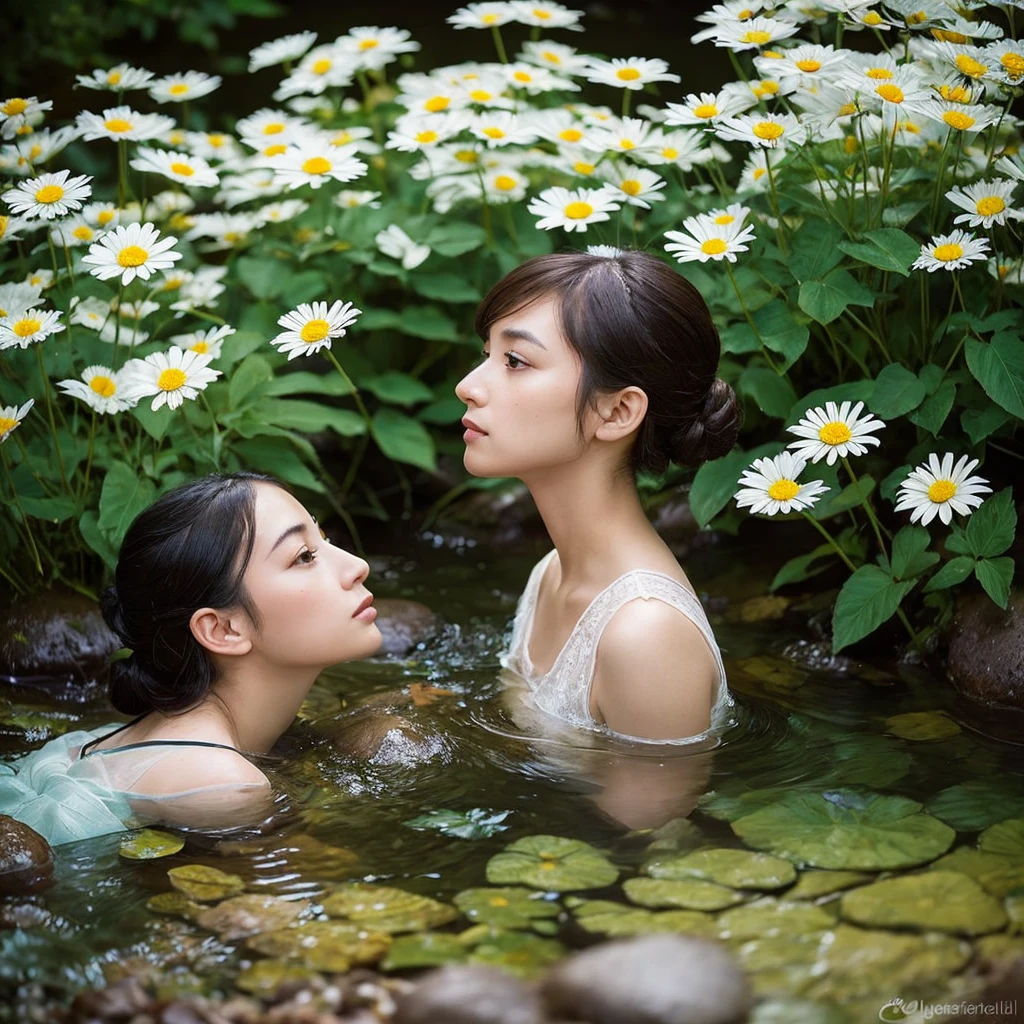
{"points": [[634, 321]]}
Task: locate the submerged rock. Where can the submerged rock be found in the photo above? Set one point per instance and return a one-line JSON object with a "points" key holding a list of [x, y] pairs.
{"points": [[26, 860], [657, 979], [403, 624], [469, 994], [986, 651], [385, 738], [55, 634]]}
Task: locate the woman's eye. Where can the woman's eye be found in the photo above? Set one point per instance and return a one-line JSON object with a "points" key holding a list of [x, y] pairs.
{"points": [[307, 556], [513, 361]]}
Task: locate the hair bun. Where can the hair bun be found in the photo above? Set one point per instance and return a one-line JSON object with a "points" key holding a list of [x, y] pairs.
{"points": [[133, 691], [713, 432], [113, 615]]}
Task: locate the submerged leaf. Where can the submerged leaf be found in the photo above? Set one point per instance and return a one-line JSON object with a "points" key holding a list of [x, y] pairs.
{"points": [[177, 904], [812, 884], [242, 916], [769, 917], [604, 917], [148, 844], [425, 949], [509, 907], [551, 863], [475, 824], [518, 953], [386, 909], [737, 869], [687, 893], [265, 977], [203, 883], [922, 726], [334, 946], [995, 873], [976, 803]]}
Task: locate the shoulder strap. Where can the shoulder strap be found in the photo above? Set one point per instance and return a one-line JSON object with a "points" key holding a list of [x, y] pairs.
{"points": [[113, 732], [160, 743]]}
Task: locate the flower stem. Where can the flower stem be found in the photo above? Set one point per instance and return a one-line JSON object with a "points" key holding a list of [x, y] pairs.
{"points": [[865, 501], [88, 462], [626, 96], [53, 422], [750, 320], [498, 44], [24, 518], [832, 541], [356, 397], [216, 432]]}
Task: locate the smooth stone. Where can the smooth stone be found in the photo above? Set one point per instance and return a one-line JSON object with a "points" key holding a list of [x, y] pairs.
{"points": [[653, 979], [403, 624], [386, 738], [469, 994], [57, 635], [26, 860], [986, 651]]}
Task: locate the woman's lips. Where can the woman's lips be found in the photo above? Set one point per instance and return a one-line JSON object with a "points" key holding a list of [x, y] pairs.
{"points": [[473, 432], [365, 612]]}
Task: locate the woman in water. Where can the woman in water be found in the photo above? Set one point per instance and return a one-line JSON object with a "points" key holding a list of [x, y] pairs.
{"points": [[597, 367], [232, 601]]}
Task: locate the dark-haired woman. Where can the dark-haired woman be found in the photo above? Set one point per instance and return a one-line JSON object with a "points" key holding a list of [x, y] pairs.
{"points": [[597, 366], [232, 602]]}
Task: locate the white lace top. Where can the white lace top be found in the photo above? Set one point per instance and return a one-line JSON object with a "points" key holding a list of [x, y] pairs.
{"points": [[564, 690]]}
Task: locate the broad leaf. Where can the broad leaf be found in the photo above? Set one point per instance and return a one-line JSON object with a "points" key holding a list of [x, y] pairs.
{"points": [[868, 598], [403, 439], [996, 575], [955, 571], [896, 392], [398, 388], [886, 248], [992, 527], [999, 368], [123, 497], [909, 555], [715, 482], [825, 300], [772, 392], [932, 412]]}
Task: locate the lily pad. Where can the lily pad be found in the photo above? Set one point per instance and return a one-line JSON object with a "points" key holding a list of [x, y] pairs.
{"points": [[304, 856], [778, 952], [945, 901], [477, 823], [518, 953], [265, 977], [1006, 839], [688, 893], [149, 844], [995, 873], [510, 907], [386, 909], [767, 918], [425, 949], [976, 804], [175, 904], [677, 834], [625, 920], [922, 726], [205, 884], [737, 869], [551, 863], [728, 804], [846, 829], [866, 759], [334, 946], [242, 916], [812, 884]]}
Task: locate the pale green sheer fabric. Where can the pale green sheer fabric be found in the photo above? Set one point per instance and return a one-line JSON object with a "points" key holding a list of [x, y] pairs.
{"points": [[68, 797]]}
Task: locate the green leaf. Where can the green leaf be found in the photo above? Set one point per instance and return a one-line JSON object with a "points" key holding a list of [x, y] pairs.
{"points": [[445, 287], [802, 567], [909, 555], [308, 417], [815, 249], [931, 375], [305, 383], [854, 391], [431, 324], [825, 300], [477, 823], [849, 497], [277, 456], [306, 286], [932, 412], [781, 332], [996, 575], [403, 439], [981, 423], [896, 392], [552, 864], [264, 278], [247, 378], [999, 368], [955, 571], [93, 536], [149, 844], [379, 320], [443, 411], [156, 423], [54, 510], [773, 394], [398, 388], [991, 529], [715, 482], [885, 248], [123, 497], [455, 238], [868, 598]]}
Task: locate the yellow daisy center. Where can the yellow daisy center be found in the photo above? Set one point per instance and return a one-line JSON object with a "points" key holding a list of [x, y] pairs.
{"points": [[759, 172], [316, 165], [705, 110], [580, 167], [466, 156], [1013, 64], [315, 330], [745, 15], [990, 206], [342, 138], [850, 144], [944, 35], [767, 130], [488, 19], [669, 153], [132, 256], [916, 18], [104, 217], [522, 76], [232, 236], [755, 36], [368, 44], [551, 58], [578, 210], [178, 89], [955, 119], [176, 138], [321, 67], [83, 232], [724, 218], [847, 109], [4, 221], [539, 12], [183, 169], [274, 128], [49, 194], [171, 379], [766, 88], [890, 93], [627, 74], [7, 425], [494, 132], [103, 386], [427, 136], [809, 65], [714, 246], [969, 66], [276, 150], [948, 252], [15, 106], [631, 187], [772, 54], [504, 182], [570, 135], [955, 93], [117, 125], [34, 151], [114, 78], [627, 144], [941, 490], [201, 347], [872, 18], [783, 490], [26, 328], [878, 74], [215, 140], [481, 95], [835, 432], [436, 104]]}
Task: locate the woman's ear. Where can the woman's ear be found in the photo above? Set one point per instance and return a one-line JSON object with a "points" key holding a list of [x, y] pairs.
{"points": [[621, 413], [221, 632]]}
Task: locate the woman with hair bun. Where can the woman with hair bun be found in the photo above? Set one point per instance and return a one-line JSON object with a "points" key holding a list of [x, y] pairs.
{"points": [[232, 601], [596, 366]]}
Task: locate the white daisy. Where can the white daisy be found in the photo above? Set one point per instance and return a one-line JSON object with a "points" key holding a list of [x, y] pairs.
{"points": [[732, 11], [73, 231], [184, 86], [684, 148], [119, 78], [754, 33], [706, 108], [102, 389], [639, 186], [1009, 56], [41, 278], [564, 60], [133, 251], [961, 30], [324, 67], [535, 80], [834, 431], [962, 117], [91, 312], [33, 326], [218, 146], [181, 167], [807, 62], [545, 14], [986, 203], [707, 240], [101, 215], [733, 214], [375, 47], [939, 489], [628, 73], [972, 63], [896, 98], [278, 51], [11, 417], [622, 135], [954, 251], [122, 123], [573, 210], [171, 376], [394, 242], [311, 164], [11, 228], [17, 112], [276, 213], [608, 252], [208, 342], [349, 199], [505, 185], [312, 327], [267, 126], [482, 15], [38, 148], [49, 195], [770, 486], [16, 298], [768, 130], [502, 128], [202, 289], [226, 231]]}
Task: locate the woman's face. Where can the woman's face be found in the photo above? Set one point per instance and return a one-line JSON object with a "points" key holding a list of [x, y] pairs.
{"points": [[521, 399], [313, 604]]}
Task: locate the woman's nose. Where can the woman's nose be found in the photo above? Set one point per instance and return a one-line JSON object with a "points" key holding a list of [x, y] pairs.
{"points": [[470, 388], [354, 571]]}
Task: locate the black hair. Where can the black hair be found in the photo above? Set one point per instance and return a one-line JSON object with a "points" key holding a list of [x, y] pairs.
{"points": [[187, 550], [634, 321]]}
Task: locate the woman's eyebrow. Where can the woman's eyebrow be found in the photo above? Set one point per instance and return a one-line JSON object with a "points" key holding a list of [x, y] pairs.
{"points": [[297, 528], [519, 334]]}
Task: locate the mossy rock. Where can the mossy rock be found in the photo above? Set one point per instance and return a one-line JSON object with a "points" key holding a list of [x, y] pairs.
{"points": [[944, 901], [242, 916], [686, 893], [149, 844], [205, 884], [769, 917], [424, 949], [333, 946], [509, 907], [813, 884], [552, 864], [519, 953], [736, 869], [995, 873], [847, 830], [175, 904], [385, 909], [266, 977]]}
